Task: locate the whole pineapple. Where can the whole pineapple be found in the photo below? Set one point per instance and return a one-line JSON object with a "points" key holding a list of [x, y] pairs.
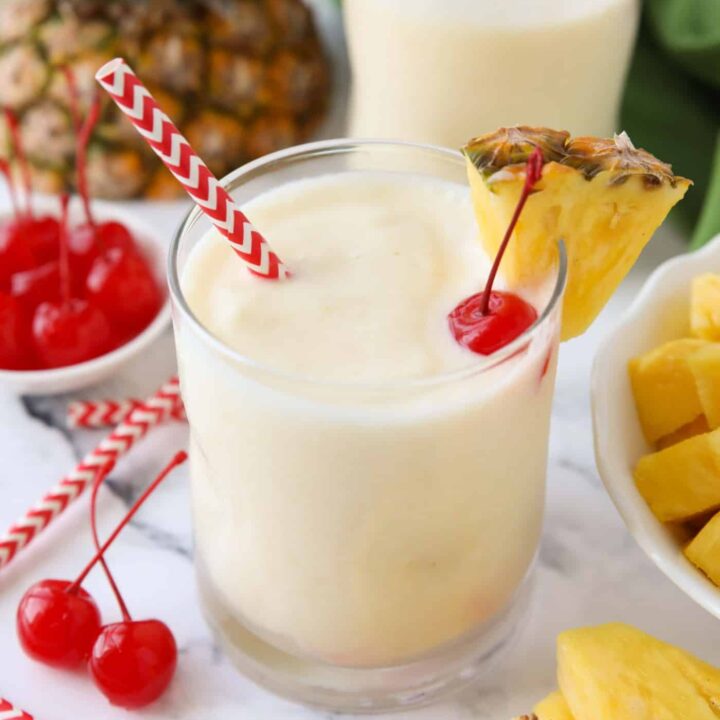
{"points": [[241, 78]]}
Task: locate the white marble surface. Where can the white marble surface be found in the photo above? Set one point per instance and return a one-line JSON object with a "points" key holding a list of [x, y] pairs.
{"points": [[590, 569]]}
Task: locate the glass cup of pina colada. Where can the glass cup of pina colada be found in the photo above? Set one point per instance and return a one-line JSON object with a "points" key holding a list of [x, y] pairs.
{"points": [[368, 470]]}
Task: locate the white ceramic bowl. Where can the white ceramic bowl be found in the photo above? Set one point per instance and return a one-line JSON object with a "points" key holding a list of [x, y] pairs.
{"points": [[73, 377], [659, 313]]}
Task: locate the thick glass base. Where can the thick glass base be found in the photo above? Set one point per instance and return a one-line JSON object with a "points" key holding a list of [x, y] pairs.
{"points": [[445, 670]]}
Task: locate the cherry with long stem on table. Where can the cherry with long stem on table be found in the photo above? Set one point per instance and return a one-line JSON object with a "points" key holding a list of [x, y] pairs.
{"points": [[58, 623]]}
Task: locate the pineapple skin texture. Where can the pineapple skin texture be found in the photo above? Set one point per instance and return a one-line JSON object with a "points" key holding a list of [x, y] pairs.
{"points": [[682, 481], [616, 672], [705, 307], [604, 227], [705, 368], [553, 707], [664, 388], [704, 550], [240, 78]]}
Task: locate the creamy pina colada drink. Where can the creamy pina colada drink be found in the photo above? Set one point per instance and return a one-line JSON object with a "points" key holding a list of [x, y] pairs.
{"points": [[369, 437], [442, 71], [361, 531]]}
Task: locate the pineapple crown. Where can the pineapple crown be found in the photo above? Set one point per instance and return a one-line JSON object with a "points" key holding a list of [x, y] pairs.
{"points": [[507, 150]]}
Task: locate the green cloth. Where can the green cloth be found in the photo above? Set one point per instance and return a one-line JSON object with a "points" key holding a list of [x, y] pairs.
{"points": [[672, 102]]}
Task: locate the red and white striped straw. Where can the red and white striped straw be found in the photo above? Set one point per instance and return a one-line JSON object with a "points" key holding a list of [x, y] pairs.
{"points": [[155, 409], [134, 99], [93, 414], [9, 712]]}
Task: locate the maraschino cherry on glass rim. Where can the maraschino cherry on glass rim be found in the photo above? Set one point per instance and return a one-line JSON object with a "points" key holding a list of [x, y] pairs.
{"points": [[491, 319], [58, 623]]}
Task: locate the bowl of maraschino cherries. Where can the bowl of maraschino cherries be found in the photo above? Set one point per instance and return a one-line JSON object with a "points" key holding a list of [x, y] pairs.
{"points": [[82, 287]]}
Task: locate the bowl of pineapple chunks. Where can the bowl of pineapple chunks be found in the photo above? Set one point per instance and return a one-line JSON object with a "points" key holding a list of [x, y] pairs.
{"points": [[656, 421]]}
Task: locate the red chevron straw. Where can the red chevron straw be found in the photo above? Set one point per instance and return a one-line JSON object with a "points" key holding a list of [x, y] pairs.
{"points": [[9, 712], [134, 99], [153, 411], [108, 413]]}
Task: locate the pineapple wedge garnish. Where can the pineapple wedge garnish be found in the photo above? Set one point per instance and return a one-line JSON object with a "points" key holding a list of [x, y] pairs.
{"points": [[705, 307], [603, 197], [553, 707], [682, 481], [705, 368], [664, 387], [616, 672], [704, 550]]}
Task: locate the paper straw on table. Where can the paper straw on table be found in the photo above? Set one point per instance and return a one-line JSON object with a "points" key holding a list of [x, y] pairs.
{"points": [[134, 99], [9, 712], [155, 409], [108, 413]]}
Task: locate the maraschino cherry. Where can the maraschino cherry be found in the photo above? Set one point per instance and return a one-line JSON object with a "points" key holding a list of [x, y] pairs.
{"points": [[15, 343], [33, 287], [492, 319], [69, 330], [122, 285], [57, 620], [58, 623], [131, 662], [117, 276], [26, 240]]}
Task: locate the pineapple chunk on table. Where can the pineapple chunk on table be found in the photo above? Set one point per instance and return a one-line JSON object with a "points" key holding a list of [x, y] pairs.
{"points": [[705, 367], [616, 672], [683, 480], [705, 307], [664, 387], [697, 427], [704, 550], [553, 707]]}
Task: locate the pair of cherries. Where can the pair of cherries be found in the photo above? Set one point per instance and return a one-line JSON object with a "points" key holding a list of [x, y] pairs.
{"points": [[58, 623], [491, 319], [68, 294]]}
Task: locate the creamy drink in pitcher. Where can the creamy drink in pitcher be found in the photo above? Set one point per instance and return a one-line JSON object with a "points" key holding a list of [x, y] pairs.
{"points": [[441, 71], [367, 494]]}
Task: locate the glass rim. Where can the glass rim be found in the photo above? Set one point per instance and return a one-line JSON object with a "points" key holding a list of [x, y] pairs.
{"points": [[340, 146]]}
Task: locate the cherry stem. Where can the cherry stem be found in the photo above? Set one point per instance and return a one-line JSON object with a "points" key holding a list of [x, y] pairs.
{"points": [[533, 171], [5, 170], [179, 459], [102, 473], [83, 141], [64, 251], [74, 98], [19, 153]]}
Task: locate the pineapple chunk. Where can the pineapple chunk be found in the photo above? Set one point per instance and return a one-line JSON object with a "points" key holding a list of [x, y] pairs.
{"points": [[705, 307], [683, 480], [603, 198], [704, 550], [553, 707], [705, 368], [664, 387], [697, 427], [616, 672]]}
